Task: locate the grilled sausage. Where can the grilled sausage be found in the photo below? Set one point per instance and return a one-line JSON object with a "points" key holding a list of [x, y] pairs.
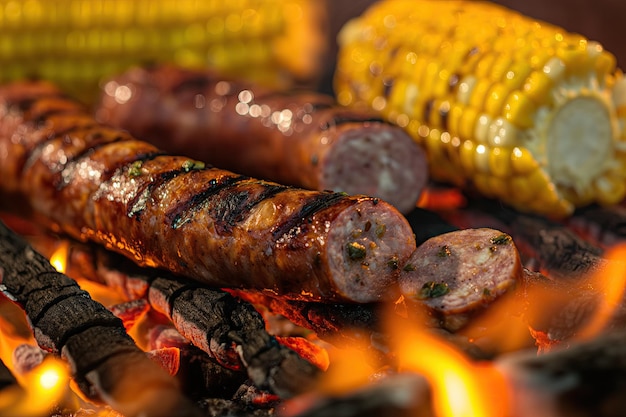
{"points": [[224, 229], [298, 138], [457, 274]]}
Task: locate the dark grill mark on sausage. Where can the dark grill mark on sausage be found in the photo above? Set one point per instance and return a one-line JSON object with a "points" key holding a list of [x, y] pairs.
{"points": [[235, 207], [316, 203], [23, 104], [138, 204], [68, 173], [342, 119], [184, 210], [39, 119]]}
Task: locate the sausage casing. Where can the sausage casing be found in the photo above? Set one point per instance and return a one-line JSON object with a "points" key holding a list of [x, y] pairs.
{"points": [[301, 138], [224, 229]]}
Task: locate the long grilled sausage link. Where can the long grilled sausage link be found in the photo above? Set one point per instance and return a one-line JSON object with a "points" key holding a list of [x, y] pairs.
{"points": [[299, 138], [227, 230]]}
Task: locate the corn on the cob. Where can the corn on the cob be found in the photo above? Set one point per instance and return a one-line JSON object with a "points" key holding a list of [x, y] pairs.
{"points": [[516, 108], [77, 42]]}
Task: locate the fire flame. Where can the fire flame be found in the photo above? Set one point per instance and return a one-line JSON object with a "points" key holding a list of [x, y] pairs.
{"points": [[59, 257], [611, 283], [37, 391], [461, 387]]}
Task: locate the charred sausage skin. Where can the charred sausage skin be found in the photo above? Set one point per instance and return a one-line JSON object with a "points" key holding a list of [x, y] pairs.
{"points": [[224, 229], [300, 138]]}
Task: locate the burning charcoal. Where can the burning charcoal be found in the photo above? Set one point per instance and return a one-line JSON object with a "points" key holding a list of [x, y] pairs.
{"points": [[217, 407], [545, 245], [166, 336], [401, 395], [426, 224], [230, 330], [130, 312], [106, 363], [586, 380], [347, 324], [604, 226], [27, 357], [250, 394]]}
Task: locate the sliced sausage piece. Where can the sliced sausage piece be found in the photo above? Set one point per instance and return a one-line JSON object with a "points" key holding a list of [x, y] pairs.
{"points": [[457, 274], [223, 229], [300, 138]]}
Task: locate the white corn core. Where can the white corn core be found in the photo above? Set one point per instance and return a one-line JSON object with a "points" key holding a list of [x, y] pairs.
{"points": [[579, 141]]}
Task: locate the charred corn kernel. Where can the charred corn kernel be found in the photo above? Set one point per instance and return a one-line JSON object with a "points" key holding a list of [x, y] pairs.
{"points": [[537, 114], [75, 43]]}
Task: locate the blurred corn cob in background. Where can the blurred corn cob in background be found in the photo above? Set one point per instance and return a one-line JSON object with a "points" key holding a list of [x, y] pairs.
{"points": [[75, 43], [517, 109]]}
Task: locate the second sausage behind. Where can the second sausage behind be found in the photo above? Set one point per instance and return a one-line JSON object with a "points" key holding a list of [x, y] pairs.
{"points": [[298, 138]]}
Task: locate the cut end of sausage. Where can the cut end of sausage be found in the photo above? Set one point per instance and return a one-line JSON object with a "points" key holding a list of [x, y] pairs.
{"points": [[377, 160], [366, 244], [460, 272]]}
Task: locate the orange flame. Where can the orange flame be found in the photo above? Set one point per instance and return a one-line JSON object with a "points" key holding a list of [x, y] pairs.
{"points": [[461, 387], [610, 282], [44, 387], [59, 257]]}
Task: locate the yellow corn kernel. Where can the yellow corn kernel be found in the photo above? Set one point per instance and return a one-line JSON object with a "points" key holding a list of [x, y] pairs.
{"points": [[480, 93], [481, 130], [516, 76], [503, 133], [77, 43], [481, 159], [468, 122], [454, 118], [495, 99], [519, 109], [522, 188], [500, 162], [523, 101], [499, 186], [501, 66], [522, 161], [466, 155], [481, 183]]}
